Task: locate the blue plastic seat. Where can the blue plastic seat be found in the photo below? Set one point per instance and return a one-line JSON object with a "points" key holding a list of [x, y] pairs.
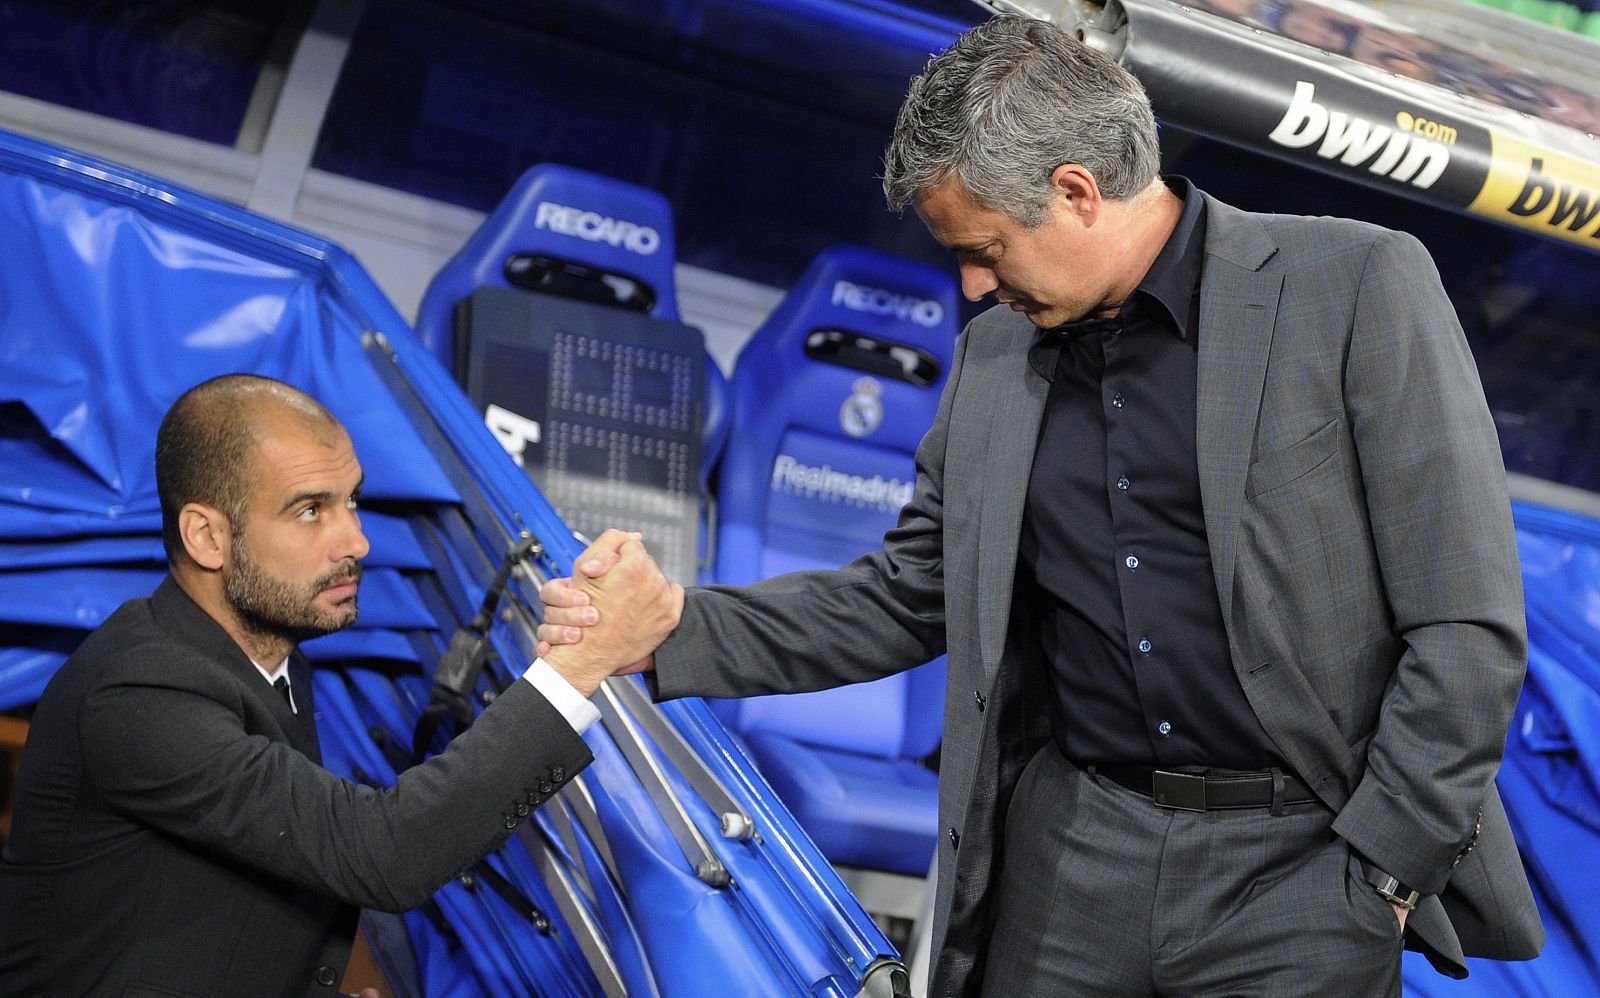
{"points": [[830, 399], [570, 216]]}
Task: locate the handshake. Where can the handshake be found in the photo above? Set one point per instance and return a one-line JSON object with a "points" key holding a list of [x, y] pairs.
{"points": [[609, 617]]}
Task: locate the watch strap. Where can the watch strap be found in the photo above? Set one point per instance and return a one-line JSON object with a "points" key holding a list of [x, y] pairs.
{"points": [[1389, 887]]}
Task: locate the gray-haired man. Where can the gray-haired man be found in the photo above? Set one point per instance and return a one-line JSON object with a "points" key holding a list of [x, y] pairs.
{"points": [[1213, 526]]}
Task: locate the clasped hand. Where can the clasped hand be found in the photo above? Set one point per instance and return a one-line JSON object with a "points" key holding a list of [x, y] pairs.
{"points": [[609, 617]]}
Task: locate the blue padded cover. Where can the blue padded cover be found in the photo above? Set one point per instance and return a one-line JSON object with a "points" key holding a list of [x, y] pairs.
{"points": [[363, 642], [19, 520], [816, 470], [24, 673], [77, 597], [116, 549], [78, 398]]}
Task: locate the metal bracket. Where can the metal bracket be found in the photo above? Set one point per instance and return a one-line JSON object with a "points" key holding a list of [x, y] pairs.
{"points": [[886, 977], [585, 932], [736, 824], [625, 732], [1099, 24]]}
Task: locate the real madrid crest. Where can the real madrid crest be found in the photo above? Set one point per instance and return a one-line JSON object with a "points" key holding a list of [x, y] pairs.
{"points": [[862, 410]]}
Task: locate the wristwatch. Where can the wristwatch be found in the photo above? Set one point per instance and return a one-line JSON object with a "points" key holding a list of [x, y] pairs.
{"points": [[1390, 888]]}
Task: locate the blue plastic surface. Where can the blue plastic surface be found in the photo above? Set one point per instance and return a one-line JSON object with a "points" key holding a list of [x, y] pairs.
{"points": [[873, 810]]}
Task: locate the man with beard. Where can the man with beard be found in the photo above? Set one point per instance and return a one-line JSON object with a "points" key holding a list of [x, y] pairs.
{"points": [[175, 832]]}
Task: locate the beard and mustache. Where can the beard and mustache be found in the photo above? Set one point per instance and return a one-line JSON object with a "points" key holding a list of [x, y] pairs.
{"points": [[274, 607]]}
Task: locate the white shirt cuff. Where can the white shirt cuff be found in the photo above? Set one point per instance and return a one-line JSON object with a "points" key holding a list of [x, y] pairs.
{"points": [[574, 706]]}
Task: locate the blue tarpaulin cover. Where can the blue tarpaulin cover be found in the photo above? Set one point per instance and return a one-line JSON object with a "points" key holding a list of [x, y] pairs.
{"points": [[1550, 779]]}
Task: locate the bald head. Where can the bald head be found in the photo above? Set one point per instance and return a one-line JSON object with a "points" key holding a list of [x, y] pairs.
{"points": [[206, 446]]}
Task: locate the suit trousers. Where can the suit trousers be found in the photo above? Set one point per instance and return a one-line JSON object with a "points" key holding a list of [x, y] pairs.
{"points": [[1102, 893]]}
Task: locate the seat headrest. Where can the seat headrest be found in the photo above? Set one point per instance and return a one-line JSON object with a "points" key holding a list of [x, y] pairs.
{"points": [[859, 290], [565, 214]]}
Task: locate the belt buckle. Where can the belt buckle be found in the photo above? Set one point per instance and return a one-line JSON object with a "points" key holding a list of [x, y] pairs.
{"points": [[1178, 791]]}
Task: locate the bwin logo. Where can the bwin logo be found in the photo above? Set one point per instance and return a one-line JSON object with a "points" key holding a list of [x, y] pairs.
{"points": [[595, 227], [1353, 141], [860, 298], [1569, 205]]}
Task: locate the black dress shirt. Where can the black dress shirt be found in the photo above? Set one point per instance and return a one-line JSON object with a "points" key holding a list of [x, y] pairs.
{"points": [[1113, 540]]}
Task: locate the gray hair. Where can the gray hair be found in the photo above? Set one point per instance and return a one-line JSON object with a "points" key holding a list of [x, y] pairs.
{"points": [[1010, 101]]}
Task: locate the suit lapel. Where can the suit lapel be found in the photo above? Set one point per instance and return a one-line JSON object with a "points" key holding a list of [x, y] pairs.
{"points": [[303, 733], [1238, 311], [185, 620], [1019, 391]]}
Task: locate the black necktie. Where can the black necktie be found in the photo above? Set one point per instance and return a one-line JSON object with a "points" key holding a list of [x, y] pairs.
{"points": [[281, 684]]}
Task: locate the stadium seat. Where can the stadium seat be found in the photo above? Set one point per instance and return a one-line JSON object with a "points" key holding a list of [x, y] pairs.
{"points": [[830, 398], [571, 233]]}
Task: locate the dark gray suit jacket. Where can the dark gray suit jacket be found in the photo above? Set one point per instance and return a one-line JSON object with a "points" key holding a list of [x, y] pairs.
{"points": [[175, 833], [1362, 545]]}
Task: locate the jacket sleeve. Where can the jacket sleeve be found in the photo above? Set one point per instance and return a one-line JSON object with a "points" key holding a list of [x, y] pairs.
{"points": [[180, 760], [880, 614], [1441, 524]]}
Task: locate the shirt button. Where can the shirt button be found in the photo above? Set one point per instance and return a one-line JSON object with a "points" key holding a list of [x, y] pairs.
{"points": [[1164, 728], [978, 698], [326, 977], [1132, 562], [1124, 484], [1116, 400], [1145, 646], [955, 839]]}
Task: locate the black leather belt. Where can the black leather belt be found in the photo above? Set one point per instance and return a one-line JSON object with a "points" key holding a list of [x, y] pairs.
{"points": [[1209, 791]]}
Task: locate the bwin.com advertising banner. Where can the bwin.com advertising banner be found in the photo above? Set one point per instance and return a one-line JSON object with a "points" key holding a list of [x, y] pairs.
{"points": [[1270, 94]]}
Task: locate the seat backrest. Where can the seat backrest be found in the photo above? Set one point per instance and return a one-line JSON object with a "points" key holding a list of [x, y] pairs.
{"points": [[569, 232], [831, 397]]}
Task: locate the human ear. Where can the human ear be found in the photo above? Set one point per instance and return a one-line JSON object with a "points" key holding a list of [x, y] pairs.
{"points": [[205, 531], [1077, 189]]}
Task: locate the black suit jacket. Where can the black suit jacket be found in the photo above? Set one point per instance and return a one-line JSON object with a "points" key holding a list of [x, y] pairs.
{"points": [[175, 833]]}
